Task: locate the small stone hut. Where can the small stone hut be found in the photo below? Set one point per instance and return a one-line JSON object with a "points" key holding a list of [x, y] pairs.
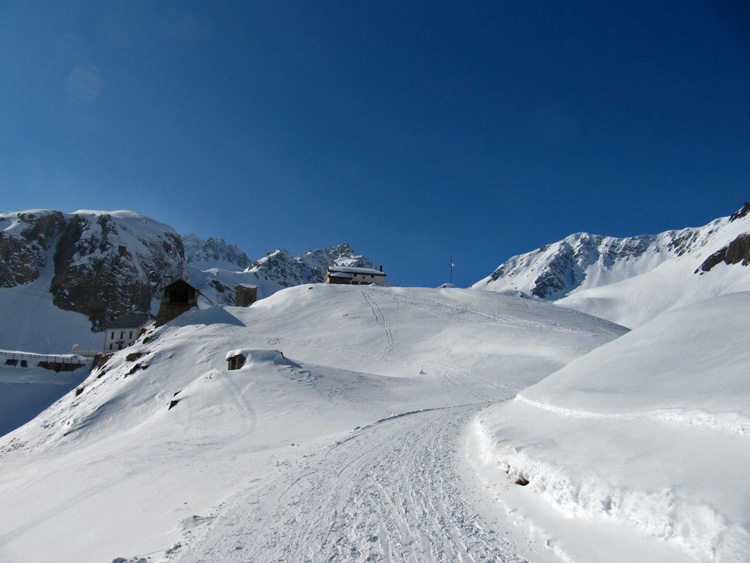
{"points": [[176, 298], [245, 294], [235, 360]]}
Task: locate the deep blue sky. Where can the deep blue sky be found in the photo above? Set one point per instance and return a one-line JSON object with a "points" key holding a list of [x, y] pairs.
{"points": [[412, 130]]}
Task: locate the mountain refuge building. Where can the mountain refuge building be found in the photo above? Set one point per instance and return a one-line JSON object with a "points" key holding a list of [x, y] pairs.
{"points": [[123, 331], [354, 276]]}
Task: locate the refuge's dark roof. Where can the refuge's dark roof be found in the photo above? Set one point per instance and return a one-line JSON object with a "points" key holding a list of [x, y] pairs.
{"points": [[131, 320]]}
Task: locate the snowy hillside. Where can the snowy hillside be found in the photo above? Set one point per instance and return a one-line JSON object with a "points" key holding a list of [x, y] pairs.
{"points": [[337, 440], [637, 451], [632, 280]]}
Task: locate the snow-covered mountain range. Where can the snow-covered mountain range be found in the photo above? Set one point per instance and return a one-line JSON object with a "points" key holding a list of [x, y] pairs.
{"points": [[631, 280], [64, 275]]}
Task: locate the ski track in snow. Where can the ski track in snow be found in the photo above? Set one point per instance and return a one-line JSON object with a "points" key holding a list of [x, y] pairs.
{"points": [[390, 492], [445, 369], [383, 322], [448, 311]]}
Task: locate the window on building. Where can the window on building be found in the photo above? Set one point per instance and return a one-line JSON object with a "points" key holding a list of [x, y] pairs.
{"points": [[113, 335], [122, 334], [131, 334]]}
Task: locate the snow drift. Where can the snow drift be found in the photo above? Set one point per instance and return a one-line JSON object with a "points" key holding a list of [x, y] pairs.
{"points": [[648, 433]]}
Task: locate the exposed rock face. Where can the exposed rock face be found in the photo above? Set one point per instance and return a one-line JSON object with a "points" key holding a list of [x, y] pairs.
{"points": [[104, 268], [105, 265], [741, 213], [214, 252], [735, 252], [25, 240], [557, 268]]}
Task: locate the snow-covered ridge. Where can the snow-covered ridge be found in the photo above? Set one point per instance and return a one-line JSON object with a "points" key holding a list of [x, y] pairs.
{"points": [[582, 260], [631, 280]]}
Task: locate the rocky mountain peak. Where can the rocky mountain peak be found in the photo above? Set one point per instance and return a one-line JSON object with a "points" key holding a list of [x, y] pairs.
{"points": [[741, 213], [214, 252]]}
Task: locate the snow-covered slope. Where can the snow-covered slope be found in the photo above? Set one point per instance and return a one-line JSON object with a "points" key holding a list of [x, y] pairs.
{"points": [[335, 441], [637, 451], [632, 280]]}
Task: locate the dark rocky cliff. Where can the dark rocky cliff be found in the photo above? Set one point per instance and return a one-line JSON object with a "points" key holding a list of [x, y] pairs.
{"points": [[23, 256], [105, 265]]}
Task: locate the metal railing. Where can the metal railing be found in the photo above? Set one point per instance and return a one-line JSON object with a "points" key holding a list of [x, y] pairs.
{"points": [[8, 357]]}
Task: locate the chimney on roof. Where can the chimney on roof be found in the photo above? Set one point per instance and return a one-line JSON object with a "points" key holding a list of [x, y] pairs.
{"points": [[381, 267]]}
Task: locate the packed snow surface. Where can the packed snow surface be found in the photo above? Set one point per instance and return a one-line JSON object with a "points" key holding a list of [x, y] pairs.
{"points": [[645, 441], [342, 437]]}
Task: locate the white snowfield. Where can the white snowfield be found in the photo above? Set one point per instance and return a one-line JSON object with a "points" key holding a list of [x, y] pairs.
{"points": [[641, 447], [342, 438]]}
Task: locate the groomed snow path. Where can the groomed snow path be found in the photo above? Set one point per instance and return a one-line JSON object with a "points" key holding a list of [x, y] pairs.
{"points": [[390, 492]]}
